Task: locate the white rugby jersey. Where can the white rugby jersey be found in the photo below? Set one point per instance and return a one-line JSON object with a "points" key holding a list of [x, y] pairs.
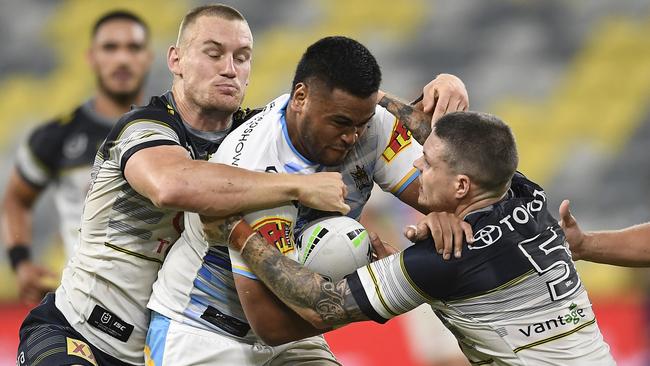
{"points": [[513, 298], [61, 154], [124, 237], [196, 286]]}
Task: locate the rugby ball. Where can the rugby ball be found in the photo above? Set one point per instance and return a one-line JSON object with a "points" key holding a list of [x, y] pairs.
{"points": [[334, 247]]}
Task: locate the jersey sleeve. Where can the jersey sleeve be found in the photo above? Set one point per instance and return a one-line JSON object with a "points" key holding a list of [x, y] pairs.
{"points": [[38, 157], [396, 152], [140, 134], [399, 283]]}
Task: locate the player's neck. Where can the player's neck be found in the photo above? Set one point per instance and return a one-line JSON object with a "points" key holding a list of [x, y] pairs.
{"points": [[199, 118], [110, 108], [479, 201], [292, 130]]}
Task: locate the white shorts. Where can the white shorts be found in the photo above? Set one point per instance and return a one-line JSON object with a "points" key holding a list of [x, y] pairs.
{"points": [[430, 340], [172, 343]]}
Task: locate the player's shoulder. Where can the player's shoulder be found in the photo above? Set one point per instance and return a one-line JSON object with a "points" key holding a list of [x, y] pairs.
{"points": [[159, 110], [255, 134]]}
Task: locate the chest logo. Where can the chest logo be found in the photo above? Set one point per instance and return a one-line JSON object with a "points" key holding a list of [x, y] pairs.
{"points": [[361, 179], [276, 231], [75, 146]]}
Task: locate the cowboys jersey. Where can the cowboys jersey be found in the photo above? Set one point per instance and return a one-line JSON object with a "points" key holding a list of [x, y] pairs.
{"points": [[196, 285], [61, 153], [514, 298], [124, 236]]}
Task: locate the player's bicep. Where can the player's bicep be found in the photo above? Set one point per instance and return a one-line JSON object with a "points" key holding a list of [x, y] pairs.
{"points": [[147, 169]]}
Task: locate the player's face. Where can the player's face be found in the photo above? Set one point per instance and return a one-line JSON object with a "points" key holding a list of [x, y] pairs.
{"points": [[331, 122], [215, 62], [437, 181], [121, 59]]}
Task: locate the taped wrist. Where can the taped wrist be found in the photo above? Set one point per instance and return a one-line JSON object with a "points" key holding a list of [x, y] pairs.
{"points": [[239, 235], [17, 254]]}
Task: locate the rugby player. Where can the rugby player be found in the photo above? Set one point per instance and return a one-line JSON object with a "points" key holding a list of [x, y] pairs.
{"points": [[60, 153], [208, 307], [150, 169], [514, 298], [628, 247]]}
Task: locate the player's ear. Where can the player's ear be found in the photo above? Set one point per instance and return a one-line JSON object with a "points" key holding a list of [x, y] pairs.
{"points": [[299, 96], [462, 185], [174, 60]]}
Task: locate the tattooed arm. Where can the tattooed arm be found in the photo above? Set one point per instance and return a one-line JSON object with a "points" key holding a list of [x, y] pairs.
{"points": [[322, 303], [416, 121], [444, 94]]}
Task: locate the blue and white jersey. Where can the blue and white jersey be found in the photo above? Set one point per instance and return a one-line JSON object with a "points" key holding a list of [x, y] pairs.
{"points": [[196, 285]]}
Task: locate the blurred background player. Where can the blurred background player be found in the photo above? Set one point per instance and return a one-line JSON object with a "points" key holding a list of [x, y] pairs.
{"points": [[61, 152]]}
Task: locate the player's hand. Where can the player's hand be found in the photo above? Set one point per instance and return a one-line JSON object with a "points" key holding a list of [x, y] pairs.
{"points": [[323, 191], [216, 230], [380, 249], [34, 282], [447, 231], [574, 236], [444, 94]]}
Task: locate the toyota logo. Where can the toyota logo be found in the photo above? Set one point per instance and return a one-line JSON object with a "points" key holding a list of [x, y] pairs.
{"points": [[488, 235]]}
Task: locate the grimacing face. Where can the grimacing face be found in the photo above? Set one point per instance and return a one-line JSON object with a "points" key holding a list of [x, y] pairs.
{"points": [[215, 62], [437, 180], [330, 121], [120, 57]]}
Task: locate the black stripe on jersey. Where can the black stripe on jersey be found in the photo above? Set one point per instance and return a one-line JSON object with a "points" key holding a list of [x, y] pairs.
{"points": [[359, 294], [127, 155]]}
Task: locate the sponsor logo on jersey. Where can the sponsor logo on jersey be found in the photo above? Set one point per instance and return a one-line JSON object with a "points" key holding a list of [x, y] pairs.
{"points": [[243, 138], [573, 317], [520, 215], [276, 230], [361, 179], [80, 349], [399, 141]]}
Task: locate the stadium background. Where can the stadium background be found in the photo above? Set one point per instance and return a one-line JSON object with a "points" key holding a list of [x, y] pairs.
{"points": [[571, 77]]}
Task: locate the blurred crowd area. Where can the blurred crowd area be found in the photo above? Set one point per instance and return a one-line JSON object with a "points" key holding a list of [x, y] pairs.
{"points": [[571, 77]]}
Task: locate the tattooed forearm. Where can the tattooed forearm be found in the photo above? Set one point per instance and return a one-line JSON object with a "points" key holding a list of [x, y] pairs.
{"points": [[300, 287], [217, 229], [419, 123]]}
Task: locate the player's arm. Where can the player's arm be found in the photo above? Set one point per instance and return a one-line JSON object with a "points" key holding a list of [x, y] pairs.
{"points": [[372, 292], [16, 217], [171, 179], [629, 247], [320, 302], [273, 321], [445, 94]]}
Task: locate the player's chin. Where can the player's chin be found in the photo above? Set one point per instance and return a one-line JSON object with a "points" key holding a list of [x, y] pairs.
{"points": [[333, 157]]}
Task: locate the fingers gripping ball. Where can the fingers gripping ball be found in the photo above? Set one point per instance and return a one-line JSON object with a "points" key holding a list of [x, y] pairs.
{"points": [[334, 247]]}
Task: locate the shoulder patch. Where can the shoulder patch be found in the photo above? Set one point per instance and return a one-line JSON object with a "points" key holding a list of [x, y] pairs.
{"points": [[401, 138]]}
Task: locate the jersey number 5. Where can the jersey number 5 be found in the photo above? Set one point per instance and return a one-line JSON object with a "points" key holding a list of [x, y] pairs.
{"points": [[545, 252]]}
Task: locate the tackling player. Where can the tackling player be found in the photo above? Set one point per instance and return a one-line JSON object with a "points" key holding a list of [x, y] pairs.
{"points": [[208, 307], [148, 171], [514, 298], [61, 153]]}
